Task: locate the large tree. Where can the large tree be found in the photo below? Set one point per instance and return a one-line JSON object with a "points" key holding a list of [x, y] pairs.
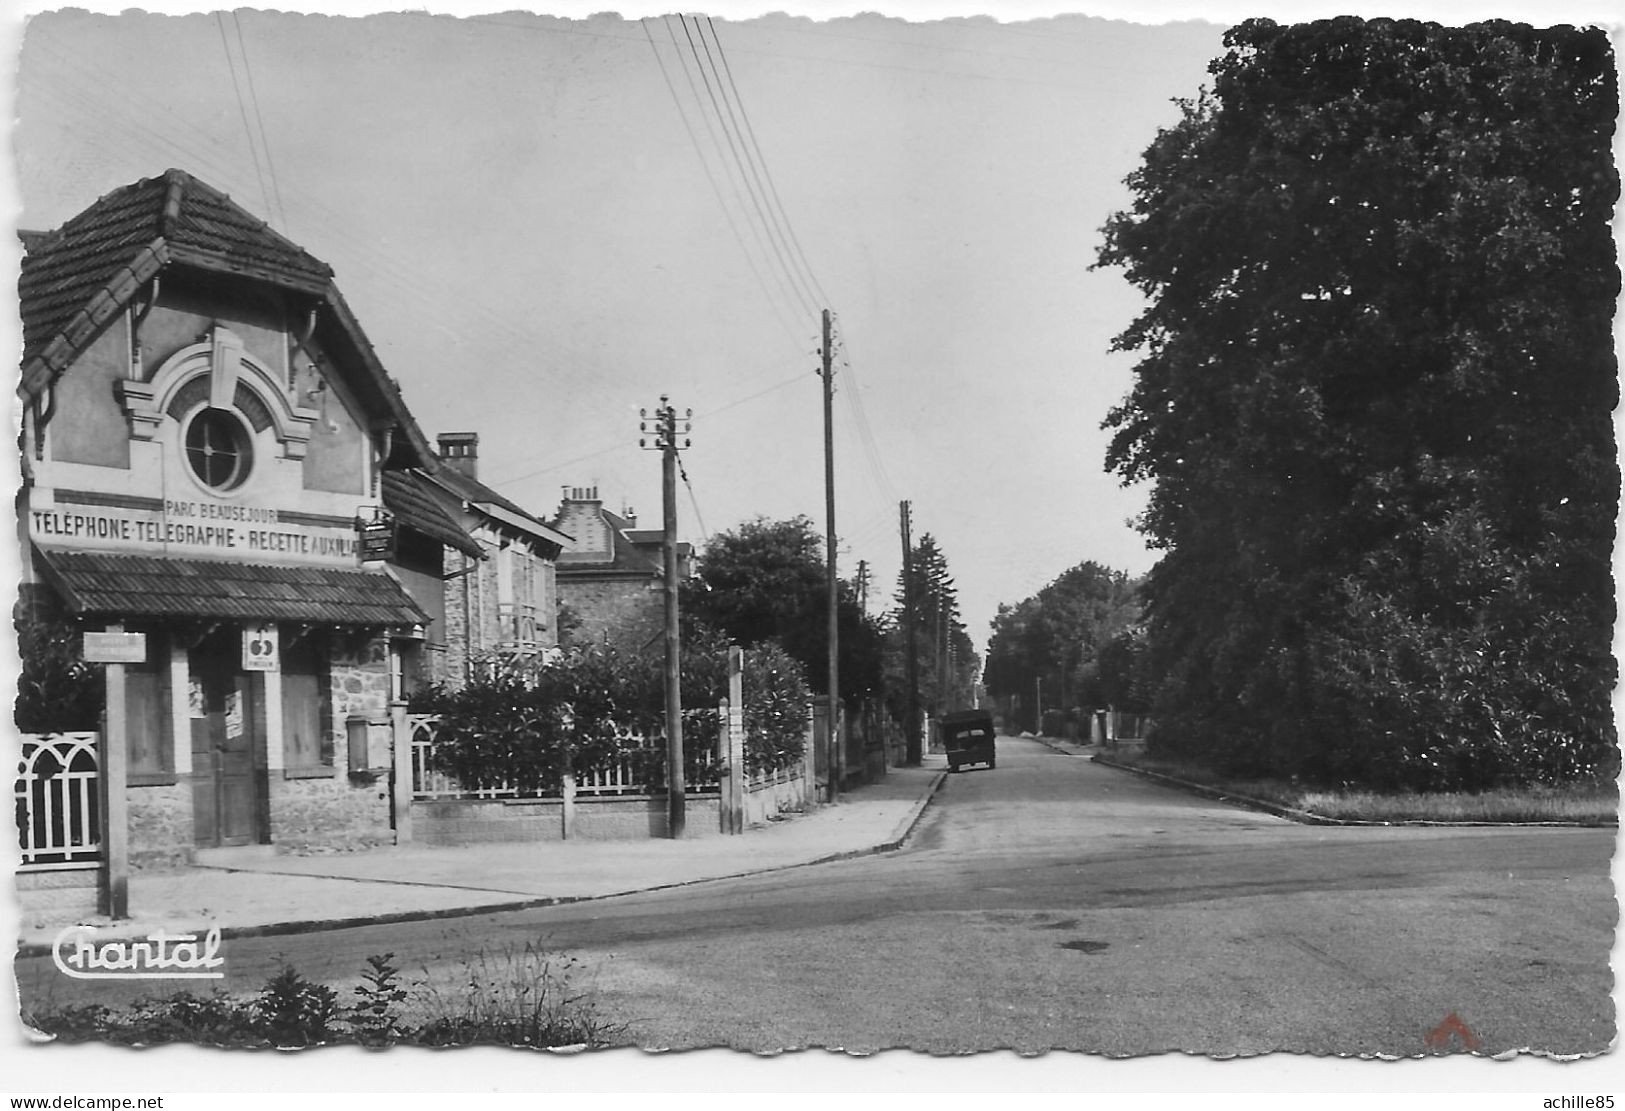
{"points": [[946, 658], [1373, 400], [765, 581], [1057, 636]]}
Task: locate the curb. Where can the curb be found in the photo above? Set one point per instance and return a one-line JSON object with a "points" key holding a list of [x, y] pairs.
{"points": [[315, 925], [1310, 818]]}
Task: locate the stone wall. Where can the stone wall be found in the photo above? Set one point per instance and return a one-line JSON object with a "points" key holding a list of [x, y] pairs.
{"points": [[160, 826], [628, 612], [340, 814], [360, 684], [634, 818]]}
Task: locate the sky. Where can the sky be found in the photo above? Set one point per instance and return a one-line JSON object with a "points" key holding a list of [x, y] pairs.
{"points": [[542, 230], [545, 224], [543, 227]]}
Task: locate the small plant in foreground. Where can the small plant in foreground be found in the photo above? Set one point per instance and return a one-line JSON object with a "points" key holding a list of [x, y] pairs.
{"points": [[294, 1012], [375, 1018], [519, 997], [512, 997]]}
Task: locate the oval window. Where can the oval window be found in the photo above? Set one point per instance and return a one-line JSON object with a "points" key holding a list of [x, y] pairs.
{"points": [[218, 449]]}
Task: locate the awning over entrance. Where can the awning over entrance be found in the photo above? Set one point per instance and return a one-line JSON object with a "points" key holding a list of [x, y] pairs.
{"points": [[149, 586]]}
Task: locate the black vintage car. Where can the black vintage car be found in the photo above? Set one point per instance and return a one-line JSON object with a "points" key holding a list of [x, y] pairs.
{"points": [[967, 736]]}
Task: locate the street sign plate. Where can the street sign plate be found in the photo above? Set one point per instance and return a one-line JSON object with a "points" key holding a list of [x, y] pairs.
{"points": [[115, 648], [260, 647]]}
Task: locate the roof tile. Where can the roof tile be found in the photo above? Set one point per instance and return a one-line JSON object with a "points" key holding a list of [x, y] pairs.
{"points": [[151, 586]]}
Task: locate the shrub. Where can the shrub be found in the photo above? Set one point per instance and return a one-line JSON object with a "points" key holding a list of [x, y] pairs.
{"points": [[523, 997], [518, 997], [292, 1012], [523, 725], [57, 692]]}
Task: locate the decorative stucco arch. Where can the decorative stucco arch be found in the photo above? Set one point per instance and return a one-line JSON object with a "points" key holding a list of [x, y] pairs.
{"points": [[219, 372]]}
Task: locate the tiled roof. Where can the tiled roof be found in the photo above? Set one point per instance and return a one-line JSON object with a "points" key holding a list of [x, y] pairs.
{"points": [[138, 229], [473, 490], [406, 494], [150, 586], [637, 552], [477, 494]]}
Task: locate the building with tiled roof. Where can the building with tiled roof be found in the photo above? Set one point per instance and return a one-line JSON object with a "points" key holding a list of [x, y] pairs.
{"points": [[206, 427], [611, 581], [500, 598]]}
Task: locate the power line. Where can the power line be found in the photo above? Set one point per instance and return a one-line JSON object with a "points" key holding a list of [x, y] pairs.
{"points": [[618, 447], [405, 281], [750, 165], [784, 290], [772, 187], [716, 190], [733, 150], [253, 95], [692, 500], [248, 131]]}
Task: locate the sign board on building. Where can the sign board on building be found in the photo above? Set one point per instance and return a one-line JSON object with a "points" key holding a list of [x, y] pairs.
{"points": [[210, 528], [260, 647], [376, 535], [115, 648]]}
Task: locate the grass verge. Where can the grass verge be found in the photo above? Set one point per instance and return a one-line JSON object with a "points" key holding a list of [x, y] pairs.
{"points": [[1579, 804], [524, 998]]}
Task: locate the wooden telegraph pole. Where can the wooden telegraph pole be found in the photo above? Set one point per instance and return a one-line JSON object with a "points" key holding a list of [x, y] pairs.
{"points": [[831, 587], [665, 441], [912, 753]]}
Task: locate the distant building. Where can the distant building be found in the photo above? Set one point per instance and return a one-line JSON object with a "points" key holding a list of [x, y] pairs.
{"points": [[611, 580], [497, 596]]}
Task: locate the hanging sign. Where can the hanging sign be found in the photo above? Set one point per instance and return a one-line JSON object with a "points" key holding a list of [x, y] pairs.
{"points": [[260, 647], [376, 535]]}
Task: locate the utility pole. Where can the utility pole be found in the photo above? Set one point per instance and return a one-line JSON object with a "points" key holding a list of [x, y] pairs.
{"points": [[863, 586], [912, 754], [832, 588], [665, 441]]}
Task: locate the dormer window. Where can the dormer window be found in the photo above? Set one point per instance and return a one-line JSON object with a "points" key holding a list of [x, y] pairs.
{"points": [[218, 449]]}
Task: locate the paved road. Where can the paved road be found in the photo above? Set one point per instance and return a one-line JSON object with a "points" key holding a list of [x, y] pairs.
{"points": [[1054, 903]]}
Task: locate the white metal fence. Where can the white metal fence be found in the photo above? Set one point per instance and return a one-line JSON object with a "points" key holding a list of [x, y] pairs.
{"points": [[637, 770], [58, 808]]}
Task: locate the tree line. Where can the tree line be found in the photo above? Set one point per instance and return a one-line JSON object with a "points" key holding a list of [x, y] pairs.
{"points": [[1373, 405]]}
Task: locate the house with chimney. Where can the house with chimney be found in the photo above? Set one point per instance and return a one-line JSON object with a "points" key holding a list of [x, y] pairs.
{"points": [[611, 580], [496, 599], [208, 445]]}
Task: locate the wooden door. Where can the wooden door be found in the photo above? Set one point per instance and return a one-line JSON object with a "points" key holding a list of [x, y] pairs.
{"points": [[228, 747]]}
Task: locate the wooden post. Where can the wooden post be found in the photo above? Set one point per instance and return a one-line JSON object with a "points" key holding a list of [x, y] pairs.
{"points": [[837, 755], [567, 808], [725, 773], [809, 757], [675, 799], [114, 896], [401, 766], [733, 738]]}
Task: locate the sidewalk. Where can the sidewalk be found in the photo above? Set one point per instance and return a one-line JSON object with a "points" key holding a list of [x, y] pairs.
{"points": [[296, 894]]}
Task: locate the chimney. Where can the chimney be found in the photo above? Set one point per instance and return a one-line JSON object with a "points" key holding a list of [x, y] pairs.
{"points": [[461, 452]]}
